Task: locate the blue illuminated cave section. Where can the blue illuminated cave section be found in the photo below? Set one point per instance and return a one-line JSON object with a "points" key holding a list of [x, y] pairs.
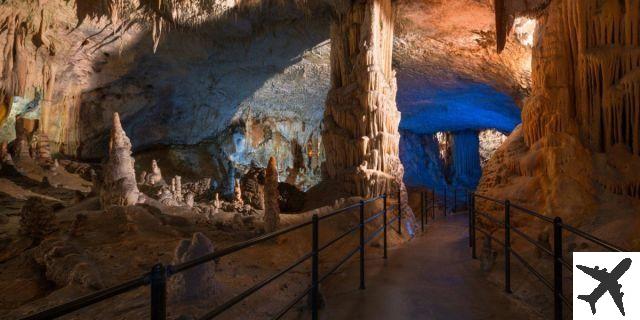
{"points": [[459, 110]]}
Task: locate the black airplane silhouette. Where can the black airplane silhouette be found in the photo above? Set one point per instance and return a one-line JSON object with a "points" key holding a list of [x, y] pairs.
{"points": [[608, 282]]}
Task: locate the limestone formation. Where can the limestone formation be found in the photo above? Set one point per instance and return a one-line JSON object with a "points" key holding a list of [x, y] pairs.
{"points": [[252, 184], [155, 176], [189, 199], [197, 282], [290, 198], [217, 204], [237, 194], [361, 118], [176, 184], [143, 177], [43, 150], [271, 196], [119, 185], [37, 219], [200, 188]]}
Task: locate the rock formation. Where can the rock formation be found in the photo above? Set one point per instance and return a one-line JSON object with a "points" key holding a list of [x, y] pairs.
{"points": [[119, 185], [252, 184], [217, 204], [155, 176], [576, 153], [37, 219], [290, 198], [271, 196], [197, 282], [237, 194], [361, 118]]}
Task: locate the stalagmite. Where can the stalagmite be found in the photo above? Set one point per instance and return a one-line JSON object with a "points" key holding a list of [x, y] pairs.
{"points": [[271, 195], [237, 194], [177, 193], [155, 176], [217, 204], [119, 186], [197, 282]]}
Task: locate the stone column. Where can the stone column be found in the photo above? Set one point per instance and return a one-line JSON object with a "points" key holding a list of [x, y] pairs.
{"points": [[361, 118]]}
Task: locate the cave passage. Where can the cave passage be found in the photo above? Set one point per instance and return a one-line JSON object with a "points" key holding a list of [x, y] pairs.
{"points": [[450, 129]]}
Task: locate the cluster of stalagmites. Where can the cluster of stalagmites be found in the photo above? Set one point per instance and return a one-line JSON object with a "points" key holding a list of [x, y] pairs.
{"points": [[258, 191]]}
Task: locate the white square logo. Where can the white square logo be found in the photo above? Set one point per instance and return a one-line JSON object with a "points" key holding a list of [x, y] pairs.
{"points": [[606, 285]]}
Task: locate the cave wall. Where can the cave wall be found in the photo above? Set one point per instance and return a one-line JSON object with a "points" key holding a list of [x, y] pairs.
{"points": [[231, 90], [576, 154]]}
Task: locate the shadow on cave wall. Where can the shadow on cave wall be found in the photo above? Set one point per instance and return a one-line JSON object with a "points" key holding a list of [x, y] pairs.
{"points": [[192, 92]]}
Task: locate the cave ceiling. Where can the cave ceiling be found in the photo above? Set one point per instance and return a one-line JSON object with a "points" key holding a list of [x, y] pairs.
{"points": [[187, 72]]}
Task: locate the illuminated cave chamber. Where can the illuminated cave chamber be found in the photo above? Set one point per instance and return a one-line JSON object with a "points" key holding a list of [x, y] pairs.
{"points": [[449, 133]]}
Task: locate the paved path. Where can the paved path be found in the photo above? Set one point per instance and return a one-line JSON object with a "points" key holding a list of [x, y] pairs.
{"points": [[431, 277]]}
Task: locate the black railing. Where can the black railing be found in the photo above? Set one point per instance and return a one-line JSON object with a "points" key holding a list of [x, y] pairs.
{"points": [[159, 274], [559, 298]]}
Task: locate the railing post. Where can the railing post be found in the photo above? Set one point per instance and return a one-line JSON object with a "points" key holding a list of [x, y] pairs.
{"points": [[445, 201], [473, 227], [422, 209], [158, 292], [314, 268], [455, 199], [557, 268], [361, 244], [399, 212], [507, 246], [433, 203], [384, 226]]}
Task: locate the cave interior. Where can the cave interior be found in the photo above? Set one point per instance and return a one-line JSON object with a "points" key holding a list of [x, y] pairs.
{"points": [[135, 133]]}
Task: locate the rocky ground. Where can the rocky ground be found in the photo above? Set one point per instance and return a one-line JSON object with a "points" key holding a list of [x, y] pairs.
{"points": [[80, 248]]}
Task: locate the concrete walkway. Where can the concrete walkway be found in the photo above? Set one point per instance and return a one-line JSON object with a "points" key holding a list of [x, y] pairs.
{"points": [[431, 277]]}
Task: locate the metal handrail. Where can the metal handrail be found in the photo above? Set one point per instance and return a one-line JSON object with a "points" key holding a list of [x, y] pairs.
{"points": [[559, 263], [157, 278]]}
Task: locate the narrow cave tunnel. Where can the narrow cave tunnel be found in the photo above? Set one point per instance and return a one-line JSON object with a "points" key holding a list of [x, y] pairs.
{"points": [[255, 159]]}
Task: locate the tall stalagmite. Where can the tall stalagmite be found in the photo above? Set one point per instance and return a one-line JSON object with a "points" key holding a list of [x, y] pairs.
{"points": [[119, 185], [271, 195], [361, 118]]}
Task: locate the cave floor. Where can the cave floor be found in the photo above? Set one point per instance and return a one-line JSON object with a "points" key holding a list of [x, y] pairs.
{"points": [[431, 277]]}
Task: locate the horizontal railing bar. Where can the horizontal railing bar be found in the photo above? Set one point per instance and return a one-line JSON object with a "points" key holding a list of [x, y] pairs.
{"points": [[342, 261], [90, 299], [533, 213], [230, 303], [566, 301], [532, 270], [328, 244], [490, 236], [490, 199], [534, 242], [374, 234], [566, 264], [374, 199], [376, 216], [234, 248], [486, 215], [291, 304], [337, 212], [591, 238]]}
